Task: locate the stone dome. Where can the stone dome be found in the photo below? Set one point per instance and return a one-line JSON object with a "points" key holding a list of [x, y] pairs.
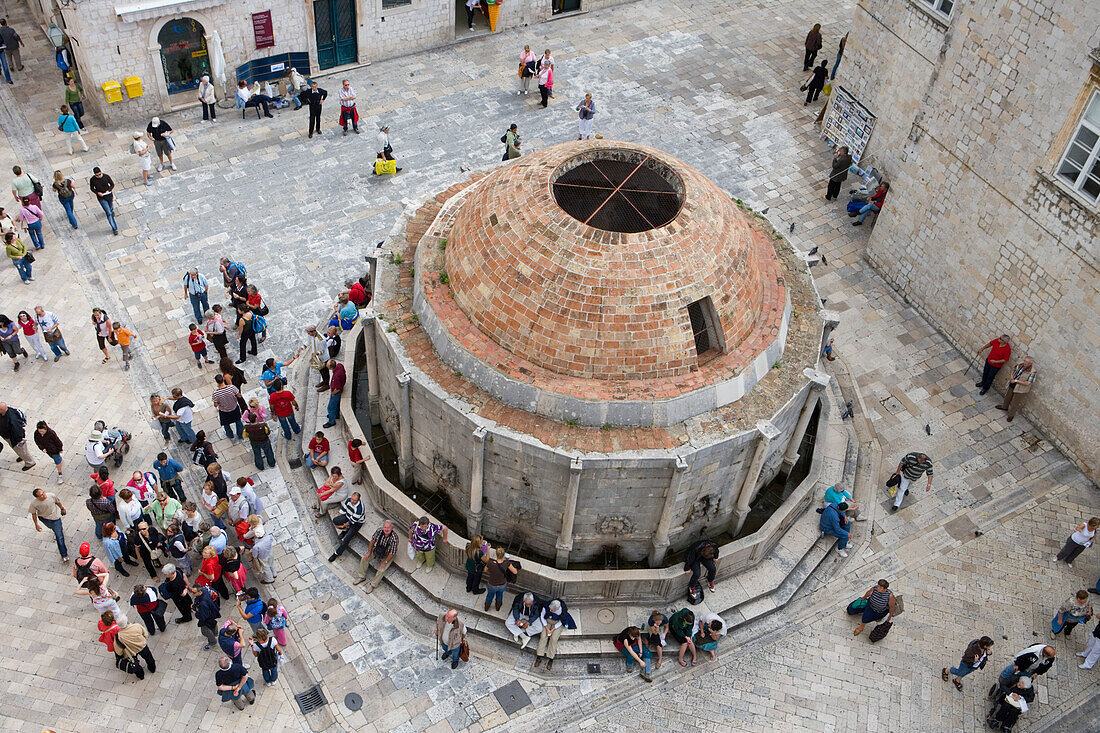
{"points": [[608, 261]]}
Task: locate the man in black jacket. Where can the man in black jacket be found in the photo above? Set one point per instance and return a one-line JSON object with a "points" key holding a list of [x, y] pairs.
{"points": [[13, 425], [525, 619], [1033, 661], [701, 555], [103, 188], [314, 97]]}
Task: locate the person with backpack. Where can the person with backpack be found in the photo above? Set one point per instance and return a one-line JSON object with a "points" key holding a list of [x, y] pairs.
{"points": [[207, 610], [701, 555], [196, 290], [65, 187], [266, 651], [69, 126], [88, 566], [24, 185], [511, 140]]}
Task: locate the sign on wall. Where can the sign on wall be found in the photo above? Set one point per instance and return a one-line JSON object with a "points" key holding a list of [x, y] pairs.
{"points": [[848, 123], [263, 29]]}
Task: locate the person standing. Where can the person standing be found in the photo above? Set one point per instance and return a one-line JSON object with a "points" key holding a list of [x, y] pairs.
{"points": [[208, 99], [169, 470], [49, 509], [423, 536], [498, 571], [259, 435], [470, 5], [183, 408], [1023, 377], [74, 98], [150, 607], [273, 372], [12, 42], [911, 467], [64, 186], [816, 82], [586, 110], [839, 55], [1076, 610], [175, 588], [314, 98], [30, 330], [382, 549], [196, 289], [266, 650], [207, 612], [1082, 537], [17, 252], [30, 216], [13, 424], [527, 61], [224, 398], [358, 460], [103, 187], [253, 609], [974, 658], [234, 684], [842, 161], [4, 61], [101, 508], [348, 112], [140, 148], [214, 328], [283, 404], [1092, 651], [246, 332], [451, 633], [543, 74], [69, 126], [999, 352], [104, 333], [337, 380], [122, 338], [9, 341], [511, 143], [49, 443], [813, 45]]}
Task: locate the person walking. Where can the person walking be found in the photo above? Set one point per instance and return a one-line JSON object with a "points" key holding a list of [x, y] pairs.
{"points": [[451, 633], [999, 351], [24, 185], [30, 216], [385, 149], [259, 436], [544, 78], [813, 45], [382, 549], [208, 100], [1082, 537], [424, 536], [4, 59], [348, 523], [74, 99], [246, 332], [196, 290], [11, 40], [34, 337], [283, 404], [348, 112], [834, 523], [973, 658], [161, 133], [150, 607], [881, 603], [527, 68], [50, 328], [122, 337], [1019, 385], [233, 683], [1092, 651], [175, 588], [69, 126], [141, 149], [629, 643], [842, 162], [13, 424], [816, 82], [470, 5], [104, 333], [314, 98], [337, 380], [878, 198], [23, 260], [48, 509], [911, 467], [263, 549], [701, 555], [266, 651], [65, 187], [224, 398], [132, 641], [9, 341], [1076, 610], [205, 605], [214, 329], [511, 140], [118, 548], [586, 110], [49, 443], [103, 187]]}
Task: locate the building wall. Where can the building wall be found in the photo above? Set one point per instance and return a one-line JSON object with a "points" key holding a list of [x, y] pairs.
{"points": [[974, 113], [108, 48]]}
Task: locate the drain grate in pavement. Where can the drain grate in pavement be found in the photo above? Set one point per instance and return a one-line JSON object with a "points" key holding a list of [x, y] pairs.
{"points": [[310, 700], [512, 697], [593, 668]]}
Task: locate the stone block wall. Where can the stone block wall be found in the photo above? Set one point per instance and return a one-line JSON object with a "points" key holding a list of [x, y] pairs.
{"points": [[977, 233]]}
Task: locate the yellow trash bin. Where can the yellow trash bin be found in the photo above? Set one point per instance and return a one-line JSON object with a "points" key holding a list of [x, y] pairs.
{"points": [[133, 86], [113, 91]]}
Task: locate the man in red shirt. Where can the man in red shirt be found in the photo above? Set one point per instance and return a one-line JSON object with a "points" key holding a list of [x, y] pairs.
{"points": [[318, 451], [355, 455], [283, 405], [356, 293], [999, 351]]}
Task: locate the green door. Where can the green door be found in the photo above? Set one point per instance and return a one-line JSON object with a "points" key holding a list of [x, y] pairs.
{"points": [[334, 21]]}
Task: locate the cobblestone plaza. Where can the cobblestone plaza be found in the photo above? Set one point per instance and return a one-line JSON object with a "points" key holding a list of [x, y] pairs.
{"points": [[715, 85]]}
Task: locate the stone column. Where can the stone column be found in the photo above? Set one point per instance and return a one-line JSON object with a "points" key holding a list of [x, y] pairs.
{"points": [[569, 513], [660, 537], [477, 482], [818, 382], [767, 433], [370, 347], [372, 272], [405, 451], [832, 320]]}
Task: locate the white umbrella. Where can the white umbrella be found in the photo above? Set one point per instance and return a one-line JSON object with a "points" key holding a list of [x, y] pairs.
{"points": [[217, 60]]}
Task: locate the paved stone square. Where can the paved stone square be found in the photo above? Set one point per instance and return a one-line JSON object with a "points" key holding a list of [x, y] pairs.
{"points": [[716, 86]]}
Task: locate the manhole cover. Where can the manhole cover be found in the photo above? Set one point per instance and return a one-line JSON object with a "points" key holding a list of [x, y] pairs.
{"points": [[512, 697], [352, 701], [605, 615], [310, 700], [593, 668], [892, 405]]}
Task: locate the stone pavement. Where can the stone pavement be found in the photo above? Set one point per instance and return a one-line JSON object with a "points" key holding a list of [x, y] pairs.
{"points": [[301, 213]]}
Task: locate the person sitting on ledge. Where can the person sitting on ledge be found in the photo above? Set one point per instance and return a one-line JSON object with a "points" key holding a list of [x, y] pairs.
{"points": [[250, 97], [525, 618], [835, 524], [701, 555]]}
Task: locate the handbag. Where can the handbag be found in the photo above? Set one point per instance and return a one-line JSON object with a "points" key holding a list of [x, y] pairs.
{"points": [[29, 257], [464, 651], [37, 186], [899, 605], [53, 336], [856, 607], [412, 552], [879, 632], [170, 141], [827, 89], [221, 508]]}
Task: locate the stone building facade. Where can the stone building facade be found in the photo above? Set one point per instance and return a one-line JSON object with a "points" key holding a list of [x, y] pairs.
{"points": [[988, 128], [166, 43]]}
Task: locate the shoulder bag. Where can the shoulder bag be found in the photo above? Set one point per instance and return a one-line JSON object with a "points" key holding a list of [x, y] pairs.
{"points": [[464, 651]]}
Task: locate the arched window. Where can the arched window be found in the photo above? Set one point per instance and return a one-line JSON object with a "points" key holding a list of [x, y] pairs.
{"points": [[183, 54]]}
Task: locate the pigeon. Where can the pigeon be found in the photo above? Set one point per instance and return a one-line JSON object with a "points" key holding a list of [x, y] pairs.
{"points": [[812, 251], [824, 301], [764, 210], [823, 260], [791, 229], [928, 429]]}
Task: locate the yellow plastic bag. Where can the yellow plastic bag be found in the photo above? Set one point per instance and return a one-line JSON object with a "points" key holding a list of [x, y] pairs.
{"points": [[385, 166], [828, 88]]}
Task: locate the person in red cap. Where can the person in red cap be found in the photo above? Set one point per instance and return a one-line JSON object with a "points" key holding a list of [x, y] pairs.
{"points": [[88, 566]]}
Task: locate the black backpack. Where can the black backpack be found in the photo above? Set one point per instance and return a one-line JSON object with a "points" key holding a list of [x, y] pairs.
{"points": [[695, 593], [83, 572], [267, 657]]}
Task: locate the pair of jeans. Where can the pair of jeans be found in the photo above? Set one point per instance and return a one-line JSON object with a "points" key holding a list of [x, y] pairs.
{"points": [[333, 406], [452, 653], [77, 108], [186, 431], [165, 430], [23, 267], [35, 230], [99, 527], [313, 463], [209, 111], [346, 537], [962, 670], [200, 303], [492, 593], [108, 204], [697, 570], [58, 347], [67, 205], [866, 211], [58, 535], [260, 451], [646, 655], [4, 63], [240, 430], [270, 675], [288, 423]]}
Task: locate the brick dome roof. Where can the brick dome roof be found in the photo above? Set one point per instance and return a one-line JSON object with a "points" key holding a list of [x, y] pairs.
{"points": [[593, 303]]}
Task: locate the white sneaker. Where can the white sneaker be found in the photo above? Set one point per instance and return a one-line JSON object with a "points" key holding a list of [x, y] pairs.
{"points": [[430, 569], [1068, 564], [1083, 666], [173, 166], [842, 553], [1082, 654], [515, 637], [60, 479], [526, 641], [160, 167], [418, 564]]}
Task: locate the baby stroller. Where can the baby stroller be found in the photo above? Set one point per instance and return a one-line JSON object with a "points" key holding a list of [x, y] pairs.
{"points": [[116, 440]]}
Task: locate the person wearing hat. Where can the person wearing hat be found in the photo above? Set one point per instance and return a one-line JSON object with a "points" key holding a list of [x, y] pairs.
{"points": [[511, 143], [835, 523], [140, 148], [197, 291], [238, 505], [160, 131], [88, 566], [385, 150]]}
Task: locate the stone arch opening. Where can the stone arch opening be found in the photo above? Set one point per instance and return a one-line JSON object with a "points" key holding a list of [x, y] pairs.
{"points": [[183, 54]]}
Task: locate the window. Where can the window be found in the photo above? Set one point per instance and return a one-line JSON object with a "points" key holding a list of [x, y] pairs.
{"points": [[708, 338], [943, 7], [1080, 166], [390, 4]]}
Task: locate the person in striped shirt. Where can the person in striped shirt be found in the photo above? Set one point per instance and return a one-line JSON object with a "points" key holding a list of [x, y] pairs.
{"points": [[912, 467]]}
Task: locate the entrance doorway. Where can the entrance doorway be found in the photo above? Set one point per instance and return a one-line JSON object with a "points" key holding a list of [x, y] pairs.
{"points": [[183, 54], [565, 6], [480, 22], [334, 21]]}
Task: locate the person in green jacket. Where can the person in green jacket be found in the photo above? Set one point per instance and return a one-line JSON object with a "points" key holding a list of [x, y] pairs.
{"points": [[164, 509], [681, 625], [74, 97], [17, 251]]}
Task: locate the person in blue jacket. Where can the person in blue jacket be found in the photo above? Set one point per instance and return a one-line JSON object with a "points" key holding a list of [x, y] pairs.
{"points": [[833, 522]]}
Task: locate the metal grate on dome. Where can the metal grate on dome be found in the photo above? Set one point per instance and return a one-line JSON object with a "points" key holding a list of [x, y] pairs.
{"points": [[619, 195]]}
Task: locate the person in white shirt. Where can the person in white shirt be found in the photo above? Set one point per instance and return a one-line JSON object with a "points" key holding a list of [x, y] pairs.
{"points": [[247, 97], [347, 108], [95, 451], [50, 328], [140, 148]]}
